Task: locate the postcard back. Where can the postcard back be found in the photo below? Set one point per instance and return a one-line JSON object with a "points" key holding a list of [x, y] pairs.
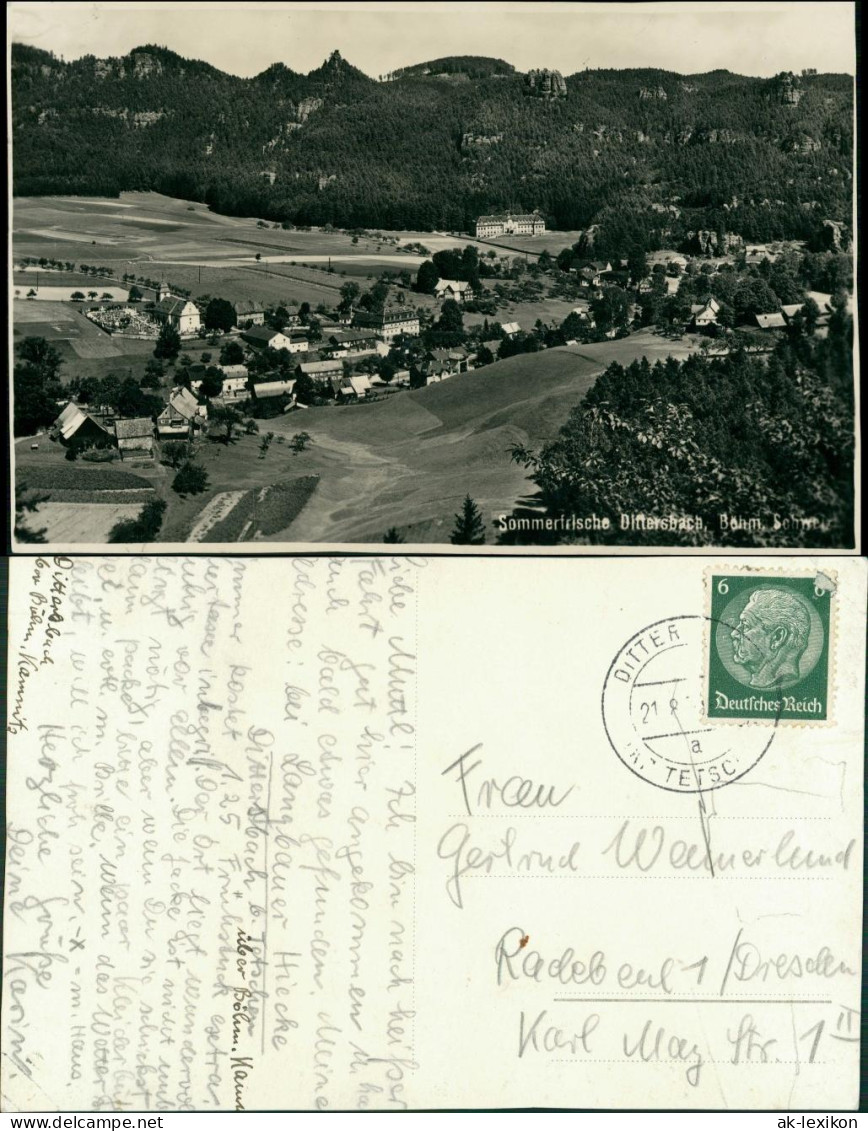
{"points": [[379, 833]]}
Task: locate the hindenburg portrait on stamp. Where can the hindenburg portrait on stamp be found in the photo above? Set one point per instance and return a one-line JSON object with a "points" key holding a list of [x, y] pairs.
{"points": [[771, 636]]}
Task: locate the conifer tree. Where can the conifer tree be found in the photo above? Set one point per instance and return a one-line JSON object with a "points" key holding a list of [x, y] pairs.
{"points": [[469, 528]]}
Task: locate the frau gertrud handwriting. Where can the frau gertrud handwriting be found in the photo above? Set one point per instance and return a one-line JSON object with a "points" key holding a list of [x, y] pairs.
{"points": [[583, 846], [211, 869]]}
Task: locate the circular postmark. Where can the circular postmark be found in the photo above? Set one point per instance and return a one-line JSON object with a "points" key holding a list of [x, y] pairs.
{"points": [[654, 717]]}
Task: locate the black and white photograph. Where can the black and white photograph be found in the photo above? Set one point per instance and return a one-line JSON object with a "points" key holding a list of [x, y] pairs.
{"points": [[459, 277]]}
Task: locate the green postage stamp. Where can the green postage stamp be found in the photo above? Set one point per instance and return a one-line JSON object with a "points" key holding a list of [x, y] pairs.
{"points": [[769, 646]]}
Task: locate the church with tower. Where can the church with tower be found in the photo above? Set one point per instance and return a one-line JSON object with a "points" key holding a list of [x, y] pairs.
{"points": [[181, 313]]}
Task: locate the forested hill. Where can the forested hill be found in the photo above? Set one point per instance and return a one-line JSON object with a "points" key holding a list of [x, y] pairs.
{"points": [[438, 144]]}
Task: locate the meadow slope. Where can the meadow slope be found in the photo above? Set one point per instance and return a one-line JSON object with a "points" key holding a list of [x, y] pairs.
{"points": [[409, 461]]}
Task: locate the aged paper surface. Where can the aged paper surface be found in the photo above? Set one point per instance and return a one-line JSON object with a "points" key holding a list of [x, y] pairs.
{"points": [[390, 832]]}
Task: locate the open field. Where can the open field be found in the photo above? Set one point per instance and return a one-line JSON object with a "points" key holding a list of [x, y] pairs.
{"points": [[153, 236], [56, 314], [248, 516], [148, 224], [26, 277], [526, 313], [47, 475], [62, 323], [86, 350], [148, 227], [80, 522], [227, 510], [218, 509], [64, 292], [553, 242], [146, 234]]}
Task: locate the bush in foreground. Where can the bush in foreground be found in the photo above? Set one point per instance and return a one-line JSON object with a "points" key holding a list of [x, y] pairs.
{"points": [[192, 479], [145, 528]]}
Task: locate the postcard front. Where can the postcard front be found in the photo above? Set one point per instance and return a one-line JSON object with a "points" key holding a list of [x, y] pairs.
{"points": [[592, 288], [392, 832]]}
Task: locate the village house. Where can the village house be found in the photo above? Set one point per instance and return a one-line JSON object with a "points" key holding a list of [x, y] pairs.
{"points": [[356, 342], [299, 338], [510, 224], [824, 302], [235, 384], [511, 329], [755, 255], [249, 313], [593, 272], [76, 426], [270, 390], [704, 314], [584, 314], [261, 337], [773, 321], [434, 372], [617, 277], [321, 372], [452, 288], [135, 438], [400, 377], [791, 309], [180, 313], [356, 385], [234, 388], [439, 364], [388, 324], [230, 372], [180, 416]]}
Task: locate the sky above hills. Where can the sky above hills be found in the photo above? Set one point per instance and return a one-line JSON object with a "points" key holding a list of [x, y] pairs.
{"points": [[749, 38]]}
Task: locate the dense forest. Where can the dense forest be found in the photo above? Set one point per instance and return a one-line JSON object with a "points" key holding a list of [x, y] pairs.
{"points": [[641, 155], [767, 437]]}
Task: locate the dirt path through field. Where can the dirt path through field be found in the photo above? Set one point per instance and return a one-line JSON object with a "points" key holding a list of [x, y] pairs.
{"points": [[355, 476]]}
